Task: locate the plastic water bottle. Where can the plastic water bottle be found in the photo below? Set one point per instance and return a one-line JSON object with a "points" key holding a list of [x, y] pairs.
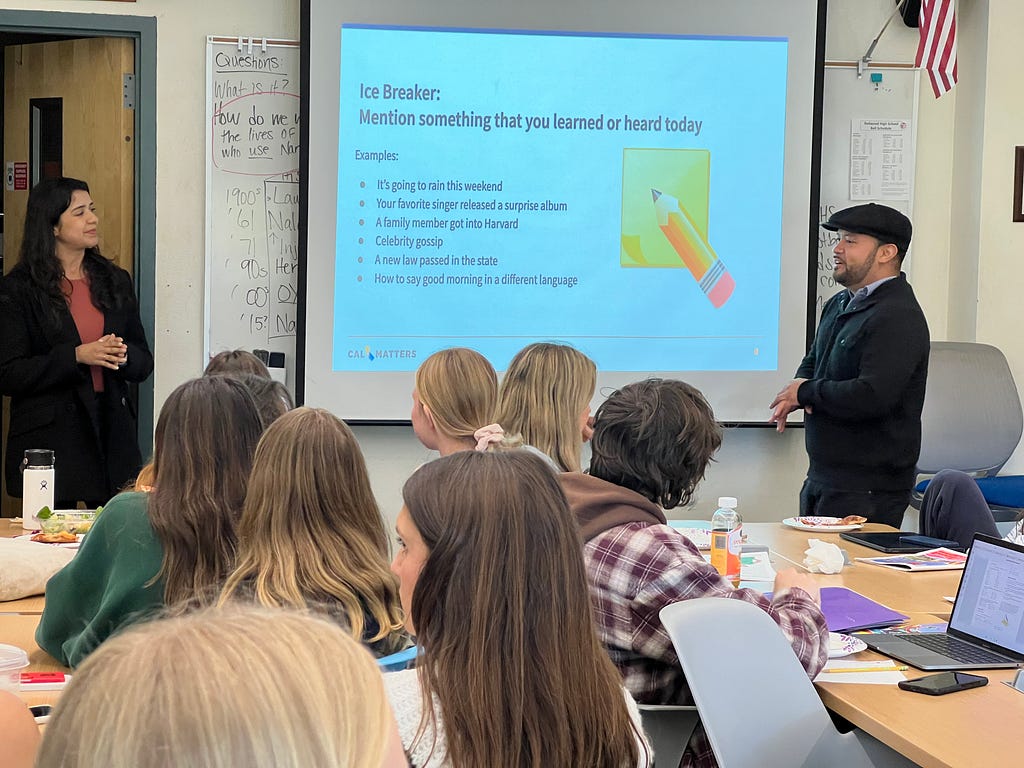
{"points": [[37, 486], [726, 539]]}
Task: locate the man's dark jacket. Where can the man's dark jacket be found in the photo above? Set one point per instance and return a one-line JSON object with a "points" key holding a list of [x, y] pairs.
{"points": [[865, 386]]}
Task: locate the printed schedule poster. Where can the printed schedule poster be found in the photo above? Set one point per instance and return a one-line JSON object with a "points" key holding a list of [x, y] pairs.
{"points": [[620, 193]]}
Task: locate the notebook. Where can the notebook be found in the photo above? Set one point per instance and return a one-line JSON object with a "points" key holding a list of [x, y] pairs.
{"points": [[986, 629], [846, 610]]}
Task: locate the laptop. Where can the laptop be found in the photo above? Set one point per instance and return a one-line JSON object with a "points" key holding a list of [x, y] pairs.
{"points": [[986, 629]]}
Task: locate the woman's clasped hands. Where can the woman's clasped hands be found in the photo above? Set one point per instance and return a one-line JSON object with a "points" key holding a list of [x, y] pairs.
{"points": [[108, 351]]}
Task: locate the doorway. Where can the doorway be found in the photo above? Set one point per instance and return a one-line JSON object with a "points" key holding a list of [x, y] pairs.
{"points": [[95, 75]]}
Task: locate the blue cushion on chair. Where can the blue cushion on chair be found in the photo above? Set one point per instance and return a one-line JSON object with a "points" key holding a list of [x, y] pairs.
{"points": [[1003, 490], [1004, 494]]}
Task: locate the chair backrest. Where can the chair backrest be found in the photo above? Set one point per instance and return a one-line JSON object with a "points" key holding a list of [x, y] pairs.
{"points": [[756, 703], [668, 728], [972, 418]]}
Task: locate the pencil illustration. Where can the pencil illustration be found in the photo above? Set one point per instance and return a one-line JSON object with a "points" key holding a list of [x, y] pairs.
{"points": [[696, 253]]}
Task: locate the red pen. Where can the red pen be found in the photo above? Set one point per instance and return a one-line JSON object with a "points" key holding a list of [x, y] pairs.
{"points": [[44, 681]]}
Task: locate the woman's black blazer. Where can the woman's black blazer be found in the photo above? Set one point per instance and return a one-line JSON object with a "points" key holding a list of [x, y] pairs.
{"points": [[52, 401]]}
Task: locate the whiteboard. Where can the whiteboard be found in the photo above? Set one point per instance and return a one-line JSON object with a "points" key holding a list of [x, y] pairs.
{"points": [[848, 98], [252, 196]]}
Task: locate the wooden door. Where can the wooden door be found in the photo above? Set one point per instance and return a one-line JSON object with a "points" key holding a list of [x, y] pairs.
{"points": [[98, 138], [99, 132]]}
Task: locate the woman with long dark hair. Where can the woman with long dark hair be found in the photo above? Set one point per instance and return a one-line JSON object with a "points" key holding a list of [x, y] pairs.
{"points": [[71, 343], [510, 671], [173, 546]]}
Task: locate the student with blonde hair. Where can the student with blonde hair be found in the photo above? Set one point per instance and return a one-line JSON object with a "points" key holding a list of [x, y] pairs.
{"points": [[545, 398], [494, 589], [171, 547], [311, 533], [453, 401], [223, 688]]}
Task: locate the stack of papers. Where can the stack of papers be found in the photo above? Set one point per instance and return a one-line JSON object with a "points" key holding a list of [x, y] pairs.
{"points": [[940, 559]]}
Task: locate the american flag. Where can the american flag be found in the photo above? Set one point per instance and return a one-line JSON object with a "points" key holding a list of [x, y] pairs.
{"points": [[937, 50]]}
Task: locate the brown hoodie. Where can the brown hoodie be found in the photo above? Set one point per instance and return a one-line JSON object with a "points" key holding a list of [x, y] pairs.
{"points": [[599, 505]]}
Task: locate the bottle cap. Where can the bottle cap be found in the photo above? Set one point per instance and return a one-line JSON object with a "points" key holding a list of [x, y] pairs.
{"points": [[727, 502], [38, 457]]}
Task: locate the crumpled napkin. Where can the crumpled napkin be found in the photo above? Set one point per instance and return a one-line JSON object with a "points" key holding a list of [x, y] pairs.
{"points": [[823, 557]]}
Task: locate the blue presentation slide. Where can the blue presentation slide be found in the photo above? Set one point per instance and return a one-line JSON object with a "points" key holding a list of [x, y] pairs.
{"points": [[619, 193]]}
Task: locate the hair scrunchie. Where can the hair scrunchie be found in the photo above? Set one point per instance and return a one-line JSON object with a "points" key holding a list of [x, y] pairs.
{"points": [[488, 436]]}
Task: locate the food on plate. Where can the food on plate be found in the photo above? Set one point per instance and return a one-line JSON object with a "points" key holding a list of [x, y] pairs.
{"points": [[51, 525], [79, 525], [853, 520], [60, 537]]}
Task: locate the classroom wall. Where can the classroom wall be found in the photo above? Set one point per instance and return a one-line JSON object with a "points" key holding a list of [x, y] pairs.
{"points": [[963, 161], [1000, 244]]}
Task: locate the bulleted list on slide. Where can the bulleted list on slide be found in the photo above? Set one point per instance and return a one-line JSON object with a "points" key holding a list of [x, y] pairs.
{"points": [[498, 187]]}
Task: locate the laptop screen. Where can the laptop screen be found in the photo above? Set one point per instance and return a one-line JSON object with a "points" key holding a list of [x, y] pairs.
{"points": [[990, 602]]}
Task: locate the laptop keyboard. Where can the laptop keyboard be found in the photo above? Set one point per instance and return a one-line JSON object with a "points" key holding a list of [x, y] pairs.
{"points": [[954, 648]]}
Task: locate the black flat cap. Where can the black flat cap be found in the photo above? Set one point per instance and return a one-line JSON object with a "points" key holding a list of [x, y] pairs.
{"points": [[880, 221]]}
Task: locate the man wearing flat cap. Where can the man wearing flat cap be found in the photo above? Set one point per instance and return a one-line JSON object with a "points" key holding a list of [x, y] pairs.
{"points": [[862, 383]]}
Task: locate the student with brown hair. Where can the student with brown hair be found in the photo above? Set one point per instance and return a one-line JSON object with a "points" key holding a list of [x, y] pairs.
{"points": [[223, 688], [234, 362], [652, 442], [311, 534], [545, 399], [453, 401], [171, 547], [272, 399], [495, 592]]}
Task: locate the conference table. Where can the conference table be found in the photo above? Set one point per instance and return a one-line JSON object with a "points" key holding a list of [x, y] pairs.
{"points": [[978, 727], [18, 622]]}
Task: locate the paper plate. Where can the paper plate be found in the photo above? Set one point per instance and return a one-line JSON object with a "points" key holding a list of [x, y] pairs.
{"points": [[843, 645], [819, 524]]}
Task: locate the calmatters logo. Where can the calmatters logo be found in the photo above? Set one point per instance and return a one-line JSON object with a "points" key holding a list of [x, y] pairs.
{"points": [[366, 353]]}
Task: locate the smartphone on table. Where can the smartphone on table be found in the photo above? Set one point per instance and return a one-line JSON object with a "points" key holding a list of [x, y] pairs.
{"points": [[942, 683]]}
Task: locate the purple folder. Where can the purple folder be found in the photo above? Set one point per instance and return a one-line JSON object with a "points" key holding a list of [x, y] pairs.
{"points": [[846, 610]]}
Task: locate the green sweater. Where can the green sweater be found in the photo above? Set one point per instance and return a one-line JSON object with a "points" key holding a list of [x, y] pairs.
{"points": [[105, 587]]}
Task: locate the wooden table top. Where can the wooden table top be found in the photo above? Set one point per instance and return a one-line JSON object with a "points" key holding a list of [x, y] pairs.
{"points": [[978, 727], [20, 630], [32, 604], [902, 591], [969, 728]]}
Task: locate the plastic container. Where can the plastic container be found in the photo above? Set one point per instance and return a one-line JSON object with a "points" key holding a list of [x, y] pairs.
{"points": [[12, 661], [727, 539]]}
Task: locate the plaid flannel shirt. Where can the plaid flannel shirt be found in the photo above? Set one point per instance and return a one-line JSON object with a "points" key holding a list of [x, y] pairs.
{"points": [[637, 569]]}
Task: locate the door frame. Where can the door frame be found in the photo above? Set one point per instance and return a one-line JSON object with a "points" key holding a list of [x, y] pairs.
{"points": [[142, 29]]}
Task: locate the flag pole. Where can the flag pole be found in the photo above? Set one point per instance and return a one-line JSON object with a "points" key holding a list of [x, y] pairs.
{"points": [[865, 60]]}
